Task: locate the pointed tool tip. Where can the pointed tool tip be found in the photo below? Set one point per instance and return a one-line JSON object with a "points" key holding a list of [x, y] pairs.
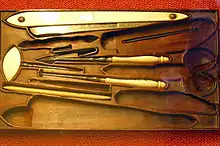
{"points": [[7, 87], [48, 59]]}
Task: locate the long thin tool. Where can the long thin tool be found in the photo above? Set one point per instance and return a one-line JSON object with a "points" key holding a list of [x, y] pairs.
{"points": [[34, 90], [80, 52], [155, 36], [152, 60], [141, 83], [48, 66]]}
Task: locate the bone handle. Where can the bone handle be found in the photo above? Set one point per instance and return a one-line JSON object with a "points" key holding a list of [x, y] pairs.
{"points": [[140, 59], [54, 92], [138, 83]]}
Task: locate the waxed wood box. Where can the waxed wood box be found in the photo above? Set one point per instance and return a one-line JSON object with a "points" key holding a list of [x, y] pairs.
{"points": [[179, 105]]}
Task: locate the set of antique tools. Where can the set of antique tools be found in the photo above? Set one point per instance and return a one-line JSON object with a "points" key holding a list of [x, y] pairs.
{"points": [[183, 59], [61, 63]]}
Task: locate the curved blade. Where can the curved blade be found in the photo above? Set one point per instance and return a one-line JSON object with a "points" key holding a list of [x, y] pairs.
{"points": [[43, 18], [11, 63]]}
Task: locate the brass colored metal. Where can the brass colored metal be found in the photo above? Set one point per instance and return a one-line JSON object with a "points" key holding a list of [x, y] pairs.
{"points": [[173, 16], [21, 19]]}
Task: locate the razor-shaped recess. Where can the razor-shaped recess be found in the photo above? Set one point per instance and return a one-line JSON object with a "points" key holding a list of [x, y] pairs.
{"points": [[41, 24]]}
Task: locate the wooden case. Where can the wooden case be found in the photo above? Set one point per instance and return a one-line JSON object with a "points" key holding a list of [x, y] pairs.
{"points": [[129, 108]]}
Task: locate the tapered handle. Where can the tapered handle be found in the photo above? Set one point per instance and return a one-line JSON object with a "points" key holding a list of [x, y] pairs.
{"points": [[32, 90], [140, 59], [137, 83]]}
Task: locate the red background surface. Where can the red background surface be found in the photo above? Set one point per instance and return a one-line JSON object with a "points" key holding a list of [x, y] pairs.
{"points": [[110, 137]]}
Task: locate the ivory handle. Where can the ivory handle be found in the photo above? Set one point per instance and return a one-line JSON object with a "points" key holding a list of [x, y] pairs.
{"points": [[138, 83], [140, 59], [54, 92]]}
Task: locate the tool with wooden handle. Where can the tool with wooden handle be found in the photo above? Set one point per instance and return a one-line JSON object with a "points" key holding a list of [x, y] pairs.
{"points": [[144, 60], [197, 62], [141, 83], [195, 67]]}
